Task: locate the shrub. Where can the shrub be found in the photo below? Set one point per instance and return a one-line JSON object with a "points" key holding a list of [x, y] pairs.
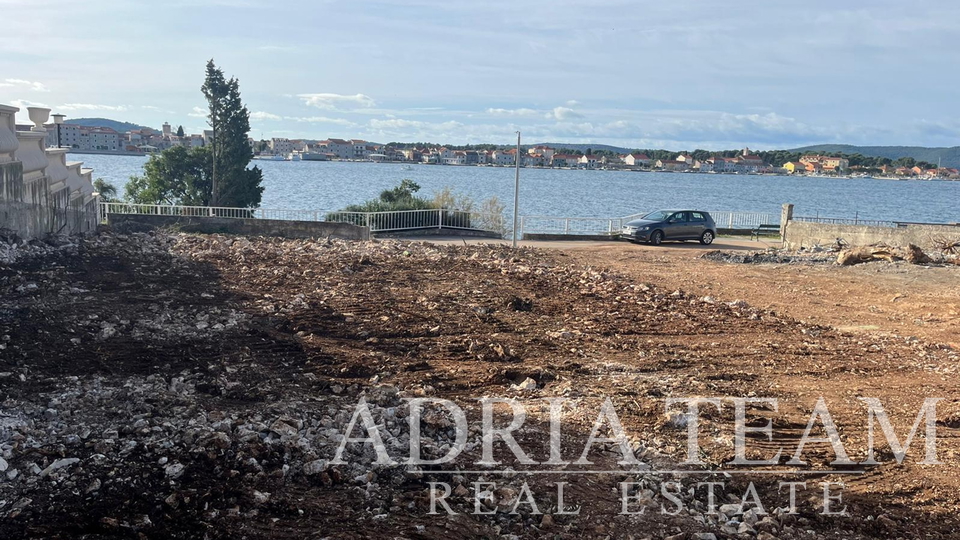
{"points": [[456, 210]]}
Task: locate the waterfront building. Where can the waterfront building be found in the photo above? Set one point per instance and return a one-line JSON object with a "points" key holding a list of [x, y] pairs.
{"points": [[636, 160], [672, 165], [827, 163], [280, 146], [589, 161], [542, 150], [794, 167]]}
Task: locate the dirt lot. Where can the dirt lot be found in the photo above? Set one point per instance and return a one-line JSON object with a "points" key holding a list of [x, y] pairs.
{"points": [[160, 386], [900, 298]]}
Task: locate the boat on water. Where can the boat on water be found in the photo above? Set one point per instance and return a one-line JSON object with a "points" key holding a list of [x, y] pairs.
{"points": [[407, 168], [294, 156], [312, 156], [270, 157]]}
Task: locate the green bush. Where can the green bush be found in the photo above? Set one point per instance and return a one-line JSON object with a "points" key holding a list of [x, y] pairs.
{"points": [[456, 211]]}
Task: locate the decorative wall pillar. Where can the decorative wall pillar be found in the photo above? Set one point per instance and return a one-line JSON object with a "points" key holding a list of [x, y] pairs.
{"points": [[8, 133], [786, 214], [75, 179], [87, 189], [57, 169], [32, 153]]}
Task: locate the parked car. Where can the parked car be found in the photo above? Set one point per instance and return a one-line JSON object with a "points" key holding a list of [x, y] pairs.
{"points": [[663, 225]]}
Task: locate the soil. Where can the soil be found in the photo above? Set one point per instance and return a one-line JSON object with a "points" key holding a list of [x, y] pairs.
{"points": [[878, 297], [203, 383]]}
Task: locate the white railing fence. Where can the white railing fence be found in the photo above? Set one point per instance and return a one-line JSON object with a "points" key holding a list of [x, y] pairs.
{"points": [[403, 220], [432, 218], [569, 225], [612, 226], [743, 220]]}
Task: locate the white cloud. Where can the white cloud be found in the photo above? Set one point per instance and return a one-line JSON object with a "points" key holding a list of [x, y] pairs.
{"points": [[320, 120], [337, 101], [260, 115], [563, 113], [397, 124], [512, 112], [33, 85], [198, 112], [22, 104], [91, 107]]}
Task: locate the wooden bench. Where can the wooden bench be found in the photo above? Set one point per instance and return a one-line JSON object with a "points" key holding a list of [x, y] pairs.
{"points": [[766, 228]]}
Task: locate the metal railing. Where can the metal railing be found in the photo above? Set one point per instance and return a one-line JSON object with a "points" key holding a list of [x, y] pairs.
{"points": [[402, 220], [743, 220], [570, 225], [612, 226]]}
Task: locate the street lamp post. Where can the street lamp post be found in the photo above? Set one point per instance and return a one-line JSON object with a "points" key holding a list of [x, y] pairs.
{"points": [[516, 195], [58, 119]]}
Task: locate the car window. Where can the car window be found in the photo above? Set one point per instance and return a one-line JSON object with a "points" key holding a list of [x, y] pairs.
{"points": [[697, 216], [659, 215], [678, 216]]}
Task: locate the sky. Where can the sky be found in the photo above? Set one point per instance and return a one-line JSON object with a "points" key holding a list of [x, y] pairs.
{"points": [[681, 75]]}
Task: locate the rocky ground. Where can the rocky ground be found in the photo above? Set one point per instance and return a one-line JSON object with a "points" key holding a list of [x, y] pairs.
{"points": [[178, 386]]}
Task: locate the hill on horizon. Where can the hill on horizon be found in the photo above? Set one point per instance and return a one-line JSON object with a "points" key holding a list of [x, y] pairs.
{"points": [[117, 125], [583, 147], [950, 156]]}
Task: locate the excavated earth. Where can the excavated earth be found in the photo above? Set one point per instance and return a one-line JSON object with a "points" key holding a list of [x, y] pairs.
{"points": [[159, 385]]}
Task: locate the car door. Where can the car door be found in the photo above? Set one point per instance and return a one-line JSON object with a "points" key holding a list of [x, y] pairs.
{"points": [[698, 224], [675, 225]]}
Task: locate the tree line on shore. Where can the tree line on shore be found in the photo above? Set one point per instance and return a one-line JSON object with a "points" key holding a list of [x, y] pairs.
{"points": [[773, 157]]}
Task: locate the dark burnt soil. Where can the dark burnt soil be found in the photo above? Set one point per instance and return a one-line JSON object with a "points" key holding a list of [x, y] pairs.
{"points": [[201, 382]]}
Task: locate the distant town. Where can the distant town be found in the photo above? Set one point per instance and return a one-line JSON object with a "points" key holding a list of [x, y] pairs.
{"points": [[145, 140]]}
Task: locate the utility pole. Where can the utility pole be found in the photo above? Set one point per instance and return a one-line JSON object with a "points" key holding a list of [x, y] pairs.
{"points": [[516, 196]]}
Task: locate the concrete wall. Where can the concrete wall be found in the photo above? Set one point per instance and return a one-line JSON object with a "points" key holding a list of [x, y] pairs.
{"points": [[802, 234], [30, 210], [244, 227]]}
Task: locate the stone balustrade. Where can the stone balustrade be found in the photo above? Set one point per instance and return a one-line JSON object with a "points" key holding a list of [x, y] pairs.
{"points": [[31, 153], [75, 181], [56, 169], [8, 133], [40, 193]]}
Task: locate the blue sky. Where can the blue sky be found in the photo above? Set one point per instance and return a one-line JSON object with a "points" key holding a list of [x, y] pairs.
{"points": [[683, 74]]}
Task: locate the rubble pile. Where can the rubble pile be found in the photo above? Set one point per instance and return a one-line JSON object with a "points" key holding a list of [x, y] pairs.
{"points": [[843, 256], [159, 385], [768, 257]]}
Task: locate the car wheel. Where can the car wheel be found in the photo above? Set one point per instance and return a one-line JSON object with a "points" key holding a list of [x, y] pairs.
{"points": [[706, 238], [656, 238]]}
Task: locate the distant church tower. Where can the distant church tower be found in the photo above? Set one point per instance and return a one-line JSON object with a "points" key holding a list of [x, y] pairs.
{"points": [[166, 129], [746, 151]]}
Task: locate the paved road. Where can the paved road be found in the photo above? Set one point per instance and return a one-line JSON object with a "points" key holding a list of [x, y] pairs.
{"points": [[725, 243]]}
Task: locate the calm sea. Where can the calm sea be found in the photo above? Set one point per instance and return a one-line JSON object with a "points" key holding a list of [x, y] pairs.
{"points": [[570, 193]]}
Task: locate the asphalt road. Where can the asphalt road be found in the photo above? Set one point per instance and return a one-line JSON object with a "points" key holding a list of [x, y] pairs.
{"points": [[724, 243]]}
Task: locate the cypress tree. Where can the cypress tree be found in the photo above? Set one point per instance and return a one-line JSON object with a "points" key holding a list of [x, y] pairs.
{"points": [[233, 185]]}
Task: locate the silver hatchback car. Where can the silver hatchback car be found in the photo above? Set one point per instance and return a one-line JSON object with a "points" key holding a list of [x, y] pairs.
{"points": [[662, 225]]}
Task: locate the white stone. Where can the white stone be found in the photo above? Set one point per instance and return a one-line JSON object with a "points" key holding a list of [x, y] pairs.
{"points": [[57, 465]]}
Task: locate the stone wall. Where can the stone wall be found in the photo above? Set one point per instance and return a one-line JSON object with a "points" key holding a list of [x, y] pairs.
{"points": [[244, 227], [803, 234]]}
